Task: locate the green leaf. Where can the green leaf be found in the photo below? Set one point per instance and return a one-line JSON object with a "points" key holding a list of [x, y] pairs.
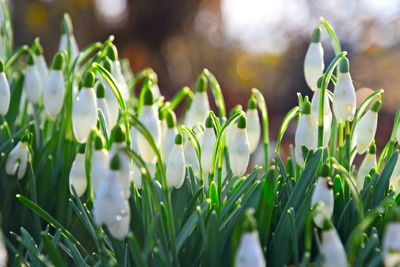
{"points": [[52, 252]]}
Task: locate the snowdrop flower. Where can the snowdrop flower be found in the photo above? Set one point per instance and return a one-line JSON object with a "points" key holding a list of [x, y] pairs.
{"points": [[198, 110], [207, 146], [191, 158], [3, 253], [32, 83], [18, 160], [149, 118], [314, 60], [395, 178], [54, 89], [100, 162], [77, 175], [136, 174], [367, 164], [391, 243], [110, 206], [366, 128], [112, 103], [327, 112], [332, 248], [232, 128], [102, 105], [67, 41], [323, 196], [344, 96], [305, 132], [249, 252], [239, 150], [154, 88], [40, 61], [84, 113], [117, 73], [4, 91], [175, 169], [168, 140], [253, 124]]}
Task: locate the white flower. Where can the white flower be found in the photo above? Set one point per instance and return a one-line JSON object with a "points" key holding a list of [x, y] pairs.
{"points": [[391, 244], [156, 90], [84, 113], [119, 229], [314, 60], [67, 40], [366, 128], [100, 163], [117, 72], [332, 249], [32, 83], [253, 125], [249, 252], [77, 175], [207, 146], [18, 160], [54, 89], [367, 164], [199, 108], [395, 178], [103, 106], [3, 253], [149, 118], [168, 141], [305, 133], [323, 194], [175, 169], [4, 91], [327, 115], [344, 96], [40, 61], [239, 149]]}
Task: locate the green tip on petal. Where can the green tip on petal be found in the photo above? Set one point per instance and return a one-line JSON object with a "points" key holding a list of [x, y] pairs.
{"points": [[107, 64], [118, 133], [115, 162], [306, 108], [148, 97], [372, 148], [88, 80], [241, 123], [376, 106], [201, 84], [178, 139], [344, 65], [324, 172], [112, 52], [316, 35], [1, 66], [31, 60], [249, 222], [209, 122], [81, 149], [58, 61], [37, 47], [171, 119], [66, 25], [99, 143], [327, 225], [100, 91], [252, 104], [319, 82]]}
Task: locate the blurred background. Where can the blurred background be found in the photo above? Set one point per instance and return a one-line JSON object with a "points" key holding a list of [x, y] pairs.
{"points": [[252, 43]]}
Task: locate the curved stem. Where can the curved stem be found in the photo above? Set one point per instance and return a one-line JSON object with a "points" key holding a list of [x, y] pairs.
{"points": [[15, 56], [331, 32]]}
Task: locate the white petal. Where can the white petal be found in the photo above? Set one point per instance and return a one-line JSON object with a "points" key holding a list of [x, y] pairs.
{"points": [[100, 163], [119, 229], [391, 244], [249, 253], [175, 169], [84, 114], [168, 142], [122, 85], [198, 110], [54, 92], [368, 163], [324, 195], [207, 149], [239, 152], [12, 162], [77, 175], [313, 64], [305, 135], [4, 94], [366, 129], [112, 103], [253, 128], [24, 157], [32, 84], [102, 104], [41, 67], [332, 249], [149, 118], [344, 98]]}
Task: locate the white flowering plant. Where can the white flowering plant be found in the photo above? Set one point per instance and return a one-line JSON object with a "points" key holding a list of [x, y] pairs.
{"points": [[93, 174]]}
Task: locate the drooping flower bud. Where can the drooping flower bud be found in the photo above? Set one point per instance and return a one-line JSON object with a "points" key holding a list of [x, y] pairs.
{"points": [[367, 164], [175, 169], [67, 41], [199, 108], [32, 83], [18, 160], [239, 150], [344, 96], [54, 89], [41, 64], [332, 248], [100, 163], [77, 175], [391, 241], [253, 124], [366, 128], [103, 106], [314, 60], [169, 136], [4, 91], [84, 113], [112, 53], [207, 146], [323, 196]]}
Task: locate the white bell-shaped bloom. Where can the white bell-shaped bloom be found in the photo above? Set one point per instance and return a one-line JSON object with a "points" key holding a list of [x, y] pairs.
{"points": [[136, 174], [391, 245], [156, 90], [77, 175], [175, 169], [367, 164], [249, 252], [253, 124], [191, 156], [84, 113], [323, 196], [199, 108], [54, 89], [207, 146], [32, 82], [344, 96], [3, 253], [305, 133], [103, 106], [366, 128], [4, 91], [116, 71], [18, 160], [332, 250], [149, 118], [40, 61], [239, 150], [67, 40], [168, 142], [314, 60], [119, 229], [100, 163], [395, 178], [327, 114]]}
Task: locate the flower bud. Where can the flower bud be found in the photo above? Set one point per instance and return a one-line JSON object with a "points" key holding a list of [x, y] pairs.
{"points": [[239, 150], [18, 160], [32, 83], [100, 163], [344, 96], [391, 241], [112, 53], [207, 146], [327, 114], [67, 41], [199, 108], [77, 175], [323, 196], [112, 103], [169, 136], [41, 64], [175, 169], [253, 124], [4, 91], [367, 164], [332, 248], [314, 60], [366, 128], [54, 89], [305, 132], [103, 106]]}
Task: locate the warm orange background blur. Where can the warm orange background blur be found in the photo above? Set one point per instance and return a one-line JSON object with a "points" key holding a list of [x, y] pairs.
{"points": [[245, 43]]}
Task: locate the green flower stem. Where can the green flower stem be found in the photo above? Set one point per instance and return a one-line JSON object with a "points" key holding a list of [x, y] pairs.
{"points": [[216, 90], [139, 76], [324, 88], [334, 137], [340, 141], [88, 168], [104, 49], [185, 91], [285, 123], [10, 61], [265, 123], [84, 56], [332, 35], [388, 149], [348, 146]]}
